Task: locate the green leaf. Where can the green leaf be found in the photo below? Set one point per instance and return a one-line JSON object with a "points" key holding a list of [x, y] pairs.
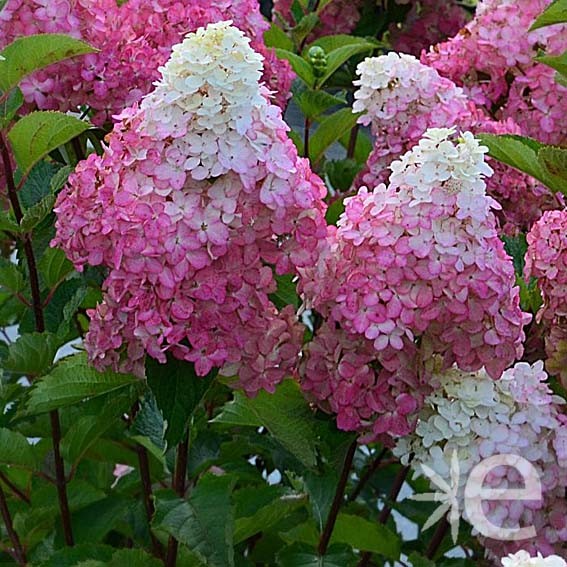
{"points": [[11, 278], [8, 223], [521, 153], [305, 26], [267, 516], [556, 13], [35, 214], [554, 161], [9, 105], [314, 103], [276, 37], [286, 293], [301, 67], [72, 381], [285, 414], [301, 555], [557, 62], [418, 560], [341, 55], [204, 523], [71, 307], [366, 535], [341, 174], [94, 521], [178, 392], [54, 267], [16, 451], [59, 180], [133, 558], [149, 423], [39, 133], [321, 490], [330, 129], [72, 556], [362, 148], [32, 354], [516, 247], [28, 54]]}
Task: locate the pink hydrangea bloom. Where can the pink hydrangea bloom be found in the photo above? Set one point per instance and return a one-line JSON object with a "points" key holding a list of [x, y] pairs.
{"points": [[414, 268], [134, 39], [198, 192], [546, 260], [401, 98], [493, 59]]}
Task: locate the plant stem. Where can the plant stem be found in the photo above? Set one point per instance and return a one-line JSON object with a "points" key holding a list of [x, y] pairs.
{"points": [[437, 539], [179, 477], [40, 328], [387, 510], [20, 494], [352, 142], [19, 552], [367, 475], [306, 138], [337, 501]]}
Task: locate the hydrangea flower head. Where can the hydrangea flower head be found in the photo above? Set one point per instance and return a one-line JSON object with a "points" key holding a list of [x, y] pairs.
{"points": [[476, 417], [523, 559], [198, 199], [414, 266]]}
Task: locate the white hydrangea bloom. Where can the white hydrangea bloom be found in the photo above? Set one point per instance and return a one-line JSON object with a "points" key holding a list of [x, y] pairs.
{"points": [[209, 99], [478, 417], [523, 559], [459, 168]]}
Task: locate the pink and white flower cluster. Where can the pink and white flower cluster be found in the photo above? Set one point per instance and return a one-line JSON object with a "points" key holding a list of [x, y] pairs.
{"points": [[475, 417], [414, 268], [523, 559], [198, 194], [402, 97], [134, 39], [493, 59], [546, 260]]}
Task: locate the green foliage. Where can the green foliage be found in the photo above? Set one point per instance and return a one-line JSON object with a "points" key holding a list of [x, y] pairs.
{"points": [[301, 67], [556, 13], [32, 354], [27, 54], [9, 105], [330, 129], [72, 381], [178, 391], [276, 37], [285, 414], [204, 522], [545, 163], [286, 293], [39, 133]]}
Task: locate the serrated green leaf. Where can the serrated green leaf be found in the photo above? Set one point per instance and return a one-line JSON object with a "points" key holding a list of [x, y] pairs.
{"points": [[554, 161], [286, 294], [305, 26], [366, 535], [39, 133], [35, 214], [94, 521], [178, 392], [11, 278], [285, 414], [330, 129], [72, 556], [276, 37], [69, 310], [321, 490], [16, 451], [557, 62], [341, 55], [301, 67], [522, 153], [54, 267], [33, 52], [418, 560], [149, 422], [133, 558], [32, 354], [204, 523], [9, 105], [72, 381], [556, 13], [267, 516], [8, 223], [301, 555], [59, 180], [314, 103]]}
